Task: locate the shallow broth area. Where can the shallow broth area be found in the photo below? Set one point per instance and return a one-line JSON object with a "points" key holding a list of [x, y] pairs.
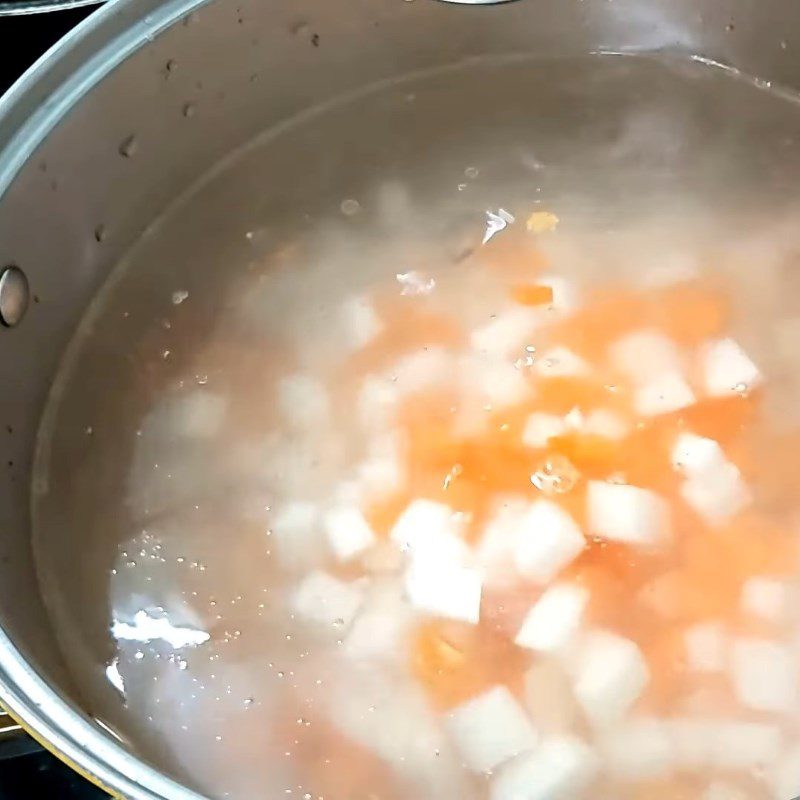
{"points": [[445, 443]]}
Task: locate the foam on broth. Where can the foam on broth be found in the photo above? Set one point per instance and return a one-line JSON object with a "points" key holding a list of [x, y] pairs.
{"points": [[444, 444]]}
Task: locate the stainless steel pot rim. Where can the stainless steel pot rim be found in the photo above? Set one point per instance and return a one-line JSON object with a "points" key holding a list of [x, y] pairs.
{"points": [[11, 9], [29, 111]]}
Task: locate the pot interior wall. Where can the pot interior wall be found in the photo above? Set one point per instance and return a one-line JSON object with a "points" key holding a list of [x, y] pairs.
{"points": [[201, 90]]}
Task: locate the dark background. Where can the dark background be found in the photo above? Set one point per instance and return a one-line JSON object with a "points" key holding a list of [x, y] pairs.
{"points": [[27, 771]]}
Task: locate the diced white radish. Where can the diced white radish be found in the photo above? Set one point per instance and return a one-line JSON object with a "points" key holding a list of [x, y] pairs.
{"points": [[609, 675], [694, 455], [507, 333], [727, 369], [360, 322], [662, 394], [419, 371], [768, 598], [382, 471], [548, 697], [565, 293], [540, 428], [718, 494], [495, 383], [641, 749], [303, 402], [348, 532], [324, 599], [381, 628], [546, 539], [693, 742], [784, 777], [495, 549], [560, 362], [743, 745], [428, 527], [628, 514], [559, 769], [444, 589], [714, 487], [706, 647], [554, 619], [608, 424], [197, 415], [717, 790], [297, 535], [377, 402], [389, 716], [490, 729], [645, 356], [764, 675]]}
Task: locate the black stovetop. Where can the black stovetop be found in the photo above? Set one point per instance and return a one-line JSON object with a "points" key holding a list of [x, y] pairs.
{"points": [[27, 771]]}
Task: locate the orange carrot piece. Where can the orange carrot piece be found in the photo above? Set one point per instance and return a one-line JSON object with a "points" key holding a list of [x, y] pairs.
{"points": [[532, 294], [691, 312]]}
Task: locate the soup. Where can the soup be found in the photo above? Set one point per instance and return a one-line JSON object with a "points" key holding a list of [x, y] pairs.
{"points": [[444, 443]]}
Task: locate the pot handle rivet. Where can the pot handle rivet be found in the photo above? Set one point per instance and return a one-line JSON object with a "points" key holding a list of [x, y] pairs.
{"points": [[14, 296]]}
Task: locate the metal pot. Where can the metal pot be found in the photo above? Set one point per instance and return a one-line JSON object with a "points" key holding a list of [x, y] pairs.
{"points": [[95, 143]]}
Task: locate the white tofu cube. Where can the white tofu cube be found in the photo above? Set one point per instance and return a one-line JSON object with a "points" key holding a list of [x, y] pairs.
{"points": [[323, 599], [303, 402], [642, 749], [645, 356], [560, 362], [348, 532], [554, 619], [507, 333], [784, 777], [609, 675], [445, 589], [767, 598], [546, 540], [706, 647], [764, 675], [662, 394], [627, 514], [727, 369], [490, 729], [540, 428], [560, 769], [360, 323]]}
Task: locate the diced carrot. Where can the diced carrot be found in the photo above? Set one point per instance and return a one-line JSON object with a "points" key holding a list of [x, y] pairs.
{"points": [[721, 418], [691, 312], [595, 456], [455, 662], [605, 318], [383, 514], [560, 395], [532, 294]]}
